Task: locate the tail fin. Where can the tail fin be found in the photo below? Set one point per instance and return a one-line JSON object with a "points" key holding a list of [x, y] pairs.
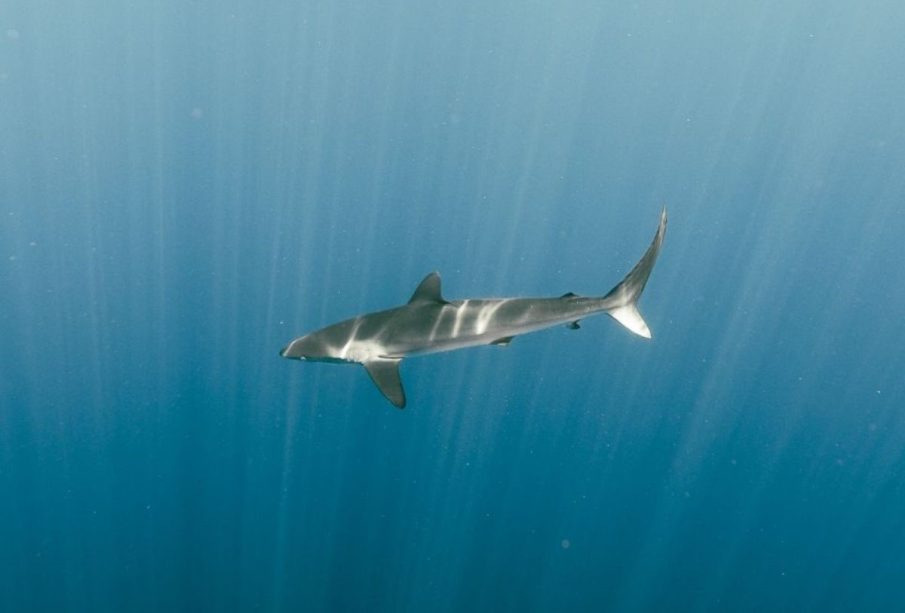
{"points": [[621, 303]]}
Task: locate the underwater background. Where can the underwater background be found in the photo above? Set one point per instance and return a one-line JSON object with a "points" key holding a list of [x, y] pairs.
{"points": [[185, 186]]}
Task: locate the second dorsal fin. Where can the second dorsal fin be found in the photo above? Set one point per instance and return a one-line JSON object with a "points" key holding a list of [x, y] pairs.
{"points": [[428, 290]]}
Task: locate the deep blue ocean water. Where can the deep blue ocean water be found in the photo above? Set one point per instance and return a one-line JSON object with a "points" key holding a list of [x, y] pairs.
{"points": [[186, 186]]}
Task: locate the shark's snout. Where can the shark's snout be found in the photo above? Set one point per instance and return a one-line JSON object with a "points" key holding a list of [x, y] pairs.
{"points": [[298, 349], [285, 353]]}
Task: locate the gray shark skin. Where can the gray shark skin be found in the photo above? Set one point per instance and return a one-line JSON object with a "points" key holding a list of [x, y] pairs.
{"points": [[429, 324]]}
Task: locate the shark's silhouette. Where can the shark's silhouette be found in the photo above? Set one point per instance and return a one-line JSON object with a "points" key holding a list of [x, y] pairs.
{"points": [[429, 324]]}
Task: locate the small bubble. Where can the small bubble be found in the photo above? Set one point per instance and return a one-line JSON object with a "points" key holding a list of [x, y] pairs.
{"points": [[12, 33], [565, 543]]}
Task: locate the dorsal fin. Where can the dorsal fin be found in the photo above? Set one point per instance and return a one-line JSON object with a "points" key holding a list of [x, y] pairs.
{"points": [[428, 290], [569, 295]]}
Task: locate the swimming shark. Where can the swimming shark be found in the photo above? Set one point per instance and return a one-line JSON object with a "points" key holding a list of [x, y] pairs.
{"points": [[428, 323]]}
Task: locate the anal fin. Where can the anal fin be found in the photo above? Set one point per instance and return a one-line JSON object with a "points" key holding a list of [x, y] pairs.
{"points": [[573, 325], [502, 342]]}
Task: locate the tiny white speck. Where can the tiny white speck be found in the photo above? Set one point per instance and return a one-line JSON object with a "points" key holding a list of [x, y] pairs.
{"points": [[565, 543], [197, 113], [12, 33]]}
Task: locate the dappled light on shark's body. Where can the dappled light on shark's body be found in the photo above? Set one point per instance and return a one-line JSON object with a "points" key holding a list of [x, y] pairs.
{"points": [[430, 324]]}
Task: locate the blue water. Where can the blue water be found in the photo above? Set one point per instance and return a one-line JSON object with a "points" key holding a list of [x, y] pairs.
{"points": [[186, 186]]}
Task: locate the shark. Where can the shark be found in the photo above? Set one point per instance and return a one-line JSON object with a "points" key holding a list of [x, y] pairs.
{"points": [[428, 323]]}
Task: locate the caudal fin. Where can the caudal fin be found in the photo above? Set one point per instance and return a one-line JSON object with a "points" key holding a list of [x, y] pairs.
{"points": [[621, 303]]}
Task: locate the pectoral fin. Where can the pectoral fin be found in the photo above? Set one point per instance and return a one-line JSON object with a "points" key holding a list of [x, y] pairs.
{"points": [[502, 342], [384, 373]]}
